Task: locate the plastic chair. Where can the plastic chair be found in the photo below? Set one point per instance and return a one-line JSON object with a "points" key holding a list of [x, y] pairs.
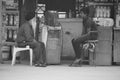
{"points": [[17, 49]]}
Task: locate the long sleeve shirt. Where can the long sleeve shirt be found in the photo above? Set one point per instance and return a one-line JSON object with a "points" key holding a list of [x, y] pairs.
{"points": [[25, 33], [88, 25]]}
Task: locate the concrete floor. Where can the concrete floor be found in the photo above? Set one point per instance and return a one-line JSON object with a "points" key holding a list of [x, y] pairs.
{"points": [[58, 72]]}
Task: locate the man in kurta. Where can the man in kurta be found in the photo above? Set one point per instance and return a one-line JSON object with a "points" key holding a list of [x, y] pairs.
{"points": [[27, 36]]}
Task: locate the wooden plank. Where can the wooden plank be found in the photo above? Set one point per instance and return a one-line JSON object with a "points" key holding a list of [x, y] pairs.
{"points": [[104, 33], [116, 46], [103, 53], [116, 36], [53, 51], [116, 52]]}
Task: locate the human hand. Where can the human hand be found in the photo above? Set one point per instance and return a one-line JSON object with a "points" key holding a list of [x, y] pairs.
{"points": [[34, 40], [76, 37]]}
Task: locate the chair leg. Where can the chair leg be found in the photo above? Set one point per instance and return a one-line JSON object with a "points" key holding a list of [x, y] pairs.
{"points": [[94, 58], [31, 56], [14, 57]]}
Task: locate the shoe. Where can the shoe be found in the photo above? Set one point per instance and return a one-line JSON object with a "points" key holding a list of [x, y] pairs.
{"points": [[76, 63], [40, 65], [34, 62], [43, 65], [36, 65]]}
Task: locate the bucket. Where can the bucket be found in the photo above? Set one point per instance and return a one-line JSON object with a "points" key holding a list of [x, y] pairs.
{"points": [[53, 51]]}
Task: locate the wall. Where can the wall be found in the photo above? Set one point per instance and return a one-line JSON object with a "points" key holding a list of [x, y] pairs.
{"points": [[116, 46], [103, 49]]}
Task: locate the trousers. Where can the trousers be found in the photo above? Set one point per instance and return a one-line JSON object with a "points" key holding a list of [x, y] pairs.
{"points": [[39, 52], [81, 40]]}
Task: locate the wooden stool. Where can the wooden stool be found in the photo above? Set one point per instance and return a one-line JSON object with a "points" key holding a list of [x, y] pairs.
{"points": [[89, 46]]}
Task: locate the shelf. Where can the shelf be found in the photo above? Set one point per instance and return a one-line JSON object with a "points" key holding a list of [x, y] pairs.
{"points": [[104, 4], [9, 21], [70, 20], [117, 28], [8, 43], [14, 12], [11, 27]]}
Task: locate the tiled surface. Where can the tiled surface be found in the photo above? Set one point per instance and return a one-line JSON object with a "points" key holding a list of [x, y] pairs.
{"points": [[58, 72]]}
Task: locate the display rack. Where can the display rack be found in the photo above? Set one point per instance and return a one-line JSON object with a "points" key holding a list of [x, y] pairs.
{"points": [[10, 21], [9, 24], [104, 8]]}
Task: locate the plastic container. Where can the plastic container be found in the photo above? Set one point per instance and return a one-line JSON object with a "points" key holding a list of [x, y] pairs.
{"points": [[54, 47]]}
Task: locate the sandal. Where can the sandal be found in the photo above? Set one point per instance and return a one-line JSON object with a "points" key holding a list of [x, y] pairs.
{"points": [[76, 63]]}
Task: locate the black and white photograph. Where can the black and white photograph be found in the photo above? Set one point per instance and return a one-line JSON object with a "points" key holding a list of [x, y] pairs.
{"points": [[59, 39]]}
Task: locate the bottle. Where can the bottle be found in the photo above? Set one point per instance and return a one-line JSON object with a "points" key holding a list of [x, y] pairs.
{"points": [[16, 20], [108, 12], [10, 35], [7, 21], [117, 20], [104, 12], [100, 11], [97, 11], [77, 14], [14, 35], [11, 20]]}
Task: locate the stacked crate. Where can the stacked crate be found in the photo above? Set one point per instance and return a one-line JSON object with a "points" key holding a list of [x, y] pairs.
{"points": [[116, 48], [104, 46], [116, 45], [9, 23], [54, 47]]}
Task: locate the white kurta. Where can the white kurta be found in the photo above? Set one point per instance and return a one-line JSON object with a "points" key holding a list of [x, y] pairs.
{"points": [[44, 34]]}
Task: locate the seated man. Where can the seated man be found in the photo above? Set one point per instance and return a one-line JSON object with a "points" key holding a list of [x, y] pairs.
{"points": [[27, 36], [88, 32]]}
